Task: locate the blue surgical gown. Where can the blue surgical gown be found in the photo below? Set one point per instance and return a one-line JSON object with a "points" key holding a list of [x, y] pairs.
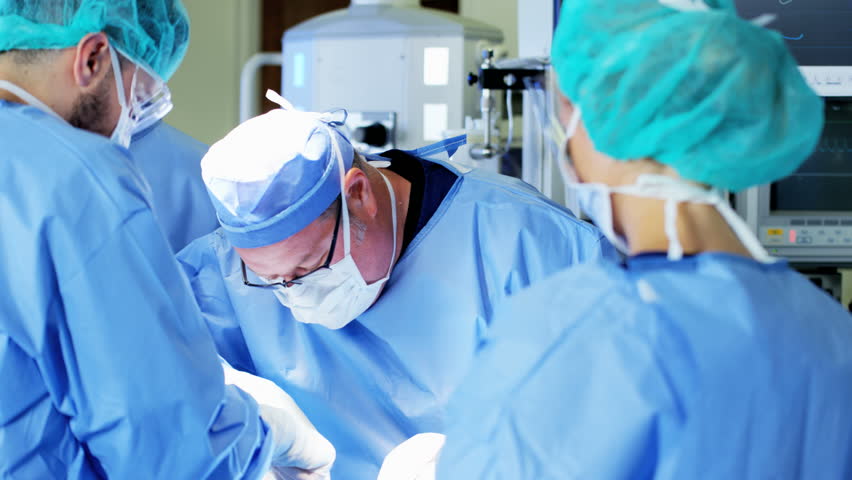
{"points": [[107, 368], [170, 160], [388, 375], [714, 366]]}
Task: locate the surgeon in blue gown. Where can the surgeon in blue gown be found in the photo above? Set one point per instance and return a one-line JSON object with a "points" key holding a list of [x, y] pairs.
{"points": [[107, 368], [367, 311], [699, 356], [170, 161]]}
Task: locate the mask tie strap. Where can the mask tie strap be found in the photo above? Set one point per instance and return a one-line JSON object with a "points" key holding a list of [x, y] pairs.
{"points": [[743, 232], [28, 97], [675, 248], [119, 82], [325, 117], [335, 148], [393, 220], [282, 102], [654, 186]]}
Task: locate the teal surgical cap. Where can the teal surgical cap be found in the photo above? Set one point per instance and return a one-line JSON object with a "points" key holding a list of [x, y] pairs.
{"points": [[275, 174], [152, 33], [688, 84]]}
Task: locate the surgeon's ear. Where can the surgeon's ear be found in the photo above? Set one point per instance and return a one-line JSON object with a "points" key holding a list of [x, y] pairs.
{"points": [[359, 193], [92, 61]]}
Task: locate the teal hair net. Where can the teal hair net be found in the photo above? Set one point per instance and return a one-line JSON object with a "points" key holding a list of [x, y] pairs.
{"points": [[152, 33], [714, 96]]}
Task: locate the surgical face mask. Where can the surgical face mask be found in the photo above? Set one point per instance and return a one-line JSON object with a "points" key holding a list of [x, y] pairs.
{"points": [[595, 201], [594, 198], [150, 101], [562, 138], [335, 296], [123, 131]]}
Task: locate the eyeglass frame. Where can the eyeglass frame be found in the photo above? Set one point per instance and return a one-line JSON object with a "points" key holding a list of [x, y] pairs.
{"points": [[296, 280]]}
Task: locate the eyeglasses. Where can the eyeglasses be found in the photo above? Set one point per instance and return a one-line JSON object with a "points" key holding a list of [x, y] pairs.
{"points": [[150, 99], [150, 109], [297, 280]]}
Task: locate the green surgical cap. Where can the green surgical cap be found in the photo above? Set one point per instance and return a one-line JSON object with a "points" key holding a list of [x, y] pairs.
{"points": [[152, 33], [714, 96]]}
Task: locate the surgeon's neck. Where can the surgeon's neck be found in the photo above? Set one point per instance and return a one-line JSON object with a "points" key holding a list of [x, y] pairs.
{"points": [[10, 71], [700, 227], [47, 79]]}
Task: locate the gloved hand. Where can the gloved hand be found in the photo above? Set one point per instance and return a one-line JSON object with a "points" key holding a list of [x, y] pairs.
{"points": [[413, 459], [300, 452]]}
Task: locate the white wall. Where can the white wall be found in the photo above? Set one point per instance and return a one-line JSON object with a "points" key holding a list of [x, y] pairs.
{"points": [[502, 14], [205, 90]]}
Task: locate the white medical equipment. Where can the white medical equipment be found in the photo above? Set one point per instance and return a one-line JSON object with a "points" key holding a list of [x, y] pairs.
{"points": [[399, 70]]}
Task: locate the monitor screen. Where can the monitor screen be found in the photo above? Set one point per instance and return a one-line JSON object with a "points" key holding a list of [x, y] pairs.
{"points": [[819, 34], [824, 182]]}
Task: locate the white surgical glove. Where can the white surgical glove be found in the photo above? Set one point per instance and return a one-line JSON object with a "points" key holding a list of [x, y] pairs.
{"points": [[300, 452], [413, 459]]}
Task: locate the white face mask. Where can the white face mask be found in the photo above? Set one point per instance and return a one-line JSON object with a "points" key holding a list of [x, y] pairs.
{"points": [[594, 198], [335, 296], [595, 201]]}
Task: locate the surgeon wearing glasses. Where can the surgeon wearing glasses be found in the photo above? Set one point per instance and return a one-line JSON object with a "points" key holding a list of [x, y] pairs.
{"points": [[362, 284]]}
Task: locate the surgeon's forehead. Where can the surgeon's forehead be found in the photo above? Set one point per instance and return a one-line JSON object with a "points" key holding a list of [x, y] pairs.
{"points": [[290, 253]]}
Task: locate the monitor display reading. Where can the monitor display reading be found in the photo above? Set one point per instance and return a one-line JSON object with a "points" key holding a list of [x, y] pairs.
{"points": [[818, 32], [824, 182]]}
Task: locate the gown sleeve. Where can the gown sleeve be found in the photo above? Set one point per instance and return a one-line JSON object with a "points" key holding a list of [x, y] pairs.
{"points": [[135, 370]]}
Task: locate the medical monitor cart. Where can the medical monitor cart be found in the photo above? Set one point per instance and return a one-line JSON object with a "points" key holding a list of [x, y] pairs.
{"points": [[807, 217]]}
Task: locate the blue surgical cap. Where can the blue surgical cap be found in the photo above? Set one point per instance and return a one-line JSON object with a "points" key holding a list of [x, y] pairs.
{"points": [[275, 174], [151, 33], [715, 97]]}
